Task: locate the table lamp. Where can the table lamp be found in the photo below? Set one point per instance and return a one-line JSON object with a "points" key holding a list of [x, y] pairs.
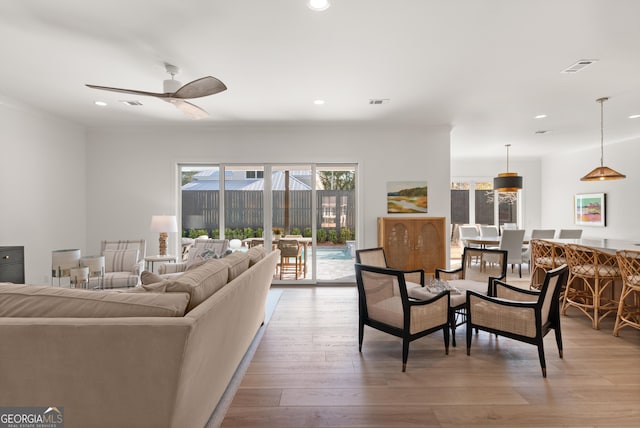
{"points": [[163, 224]]}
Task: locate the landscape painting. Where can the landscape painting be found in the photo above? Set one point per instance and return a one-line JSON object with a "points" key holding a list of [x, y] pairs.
{"points": [[406, 197], [590, 209]]}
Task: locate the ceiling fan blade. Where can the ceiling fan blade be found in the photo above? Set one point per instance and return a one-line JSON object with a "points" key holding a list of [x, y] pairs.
{"points": [[190, 110], [128, 91], [200, 88]]}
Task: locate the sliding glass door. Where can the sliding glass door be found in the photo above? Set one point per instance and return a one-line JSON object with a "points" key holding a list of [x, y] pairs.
{"points": [[263, 204]]}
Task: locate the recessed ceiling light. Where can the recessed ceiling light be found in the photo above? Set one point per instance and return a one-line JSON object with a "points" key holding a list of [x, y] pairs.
{"points": [[318, 5], [131, 102], [100, 103], [541, 116], [318, 102], [634, 116]]}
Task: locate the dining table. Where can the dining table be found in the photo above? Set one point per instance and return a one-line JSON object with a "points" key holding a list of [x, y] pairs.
{"points": [[488, 241], [604, 244], [305, 241]]}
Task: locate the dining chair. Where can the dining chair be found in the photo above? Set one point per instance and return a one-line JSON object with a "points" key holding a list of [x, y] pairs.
{"points": [[290, 257], [570, 234], [489, 231], [592, 274], [523, 315], [535, 234], [511, 242], [467, 232], [543, 233], [383, 304], [629, 307], [545, 256]]}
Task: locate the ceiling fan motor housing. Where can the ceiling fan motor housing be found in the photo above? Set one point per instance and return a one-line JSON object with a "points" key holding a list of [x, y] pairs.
{"points": [[170, 86]]}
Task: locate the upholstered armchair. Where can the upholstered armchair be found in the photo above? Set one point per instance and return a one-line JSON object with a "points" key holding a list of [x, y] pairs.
{"points": [[385, 305], [199, 251], [523, 315], [124, 262]]}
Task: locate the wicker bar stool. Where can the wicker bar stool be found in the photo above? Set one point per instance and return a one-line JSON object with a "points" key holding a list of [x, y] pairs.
{"points": [[629, 306], [591, 274], [545, 256]]}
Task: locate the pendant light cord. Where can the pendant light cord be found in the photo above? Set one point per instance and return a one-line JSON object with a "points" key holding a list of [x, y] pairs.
{"points": [[507, 146], [602, 100]]}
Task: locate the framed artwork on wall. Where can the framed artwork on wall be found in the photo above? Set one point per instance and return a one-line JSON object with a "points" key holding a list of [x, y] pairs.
{"points": [[406, 197], [589, 209]]}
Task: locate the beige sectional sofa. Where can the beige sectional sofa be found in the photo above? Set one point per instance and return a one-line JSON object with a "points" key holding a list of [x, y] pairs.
{"points": [[159, 355]]}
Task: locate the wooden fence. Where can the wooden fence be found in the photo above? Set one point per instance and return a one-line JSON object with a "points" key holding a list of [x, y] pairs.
{"points": [[244, 208]]}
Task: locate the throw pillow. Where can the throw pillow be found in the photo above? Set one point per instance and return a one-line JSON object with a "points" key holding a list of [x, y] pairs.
{"points": [[150, 278], [200, 282], [238, 262], [199, 255]]}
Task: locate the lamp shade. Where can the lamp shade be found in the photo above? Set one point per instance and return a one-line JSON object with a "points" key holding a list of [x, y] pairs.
{"points": [[601, 173], [507, 182], [164, 223]]}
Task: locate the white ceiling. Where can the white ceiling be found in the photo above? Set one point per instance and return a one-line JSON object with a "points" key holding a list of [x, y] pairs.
{"points": [[484, 67]]}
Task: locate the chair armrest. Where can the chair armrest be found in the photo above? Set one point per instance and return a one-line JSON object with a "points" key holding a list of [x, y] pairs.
{"points": [[165, 268], [500, 301], [415, 273], [448, 274], [138, 268]]}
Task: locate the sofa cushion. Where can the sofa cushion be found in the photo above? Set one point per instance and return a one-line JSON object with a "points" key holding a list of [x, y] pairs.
{"points": [[120, 260], [200, 282], [43, 301], [238, 262], [256, 254]]}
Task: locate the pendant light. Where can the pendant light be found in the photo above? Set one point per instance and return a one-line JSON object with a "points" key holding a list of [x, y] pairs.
{"points": [[507, 181], [602, 172]]}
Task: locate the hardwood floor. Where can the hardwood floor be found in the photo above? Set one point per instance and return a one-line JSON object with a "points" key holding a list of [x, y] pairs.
{"points": [[307, 372]]}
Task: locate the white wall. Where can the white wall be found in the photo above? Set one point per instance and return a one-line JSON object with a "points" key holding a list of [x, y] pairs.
{"points": [[132, 173], [561, 181], [42, 186], [486, 169]]}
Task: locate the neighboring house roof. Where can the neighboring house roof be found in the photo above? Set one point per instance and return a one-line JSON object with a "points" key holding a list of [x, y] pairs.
{"points": [[209, 180]]}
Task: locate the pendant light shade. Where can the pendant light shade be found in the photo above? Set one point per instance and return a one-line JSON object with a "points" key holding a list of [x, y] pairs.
{"points": [[602, 172], [507, 181]]}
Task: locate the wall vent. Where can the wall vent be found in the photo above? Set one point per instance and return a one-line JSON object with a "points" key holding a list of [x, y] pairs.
{"points": [[376, 101], [131, 102], [579, 66]]}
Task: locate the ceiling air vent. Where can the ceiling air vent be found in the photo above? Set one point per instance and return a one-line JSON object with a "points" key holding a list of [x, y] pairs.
{"points": [[376, 101], [131, 103], [579, 66], [542, 131]]}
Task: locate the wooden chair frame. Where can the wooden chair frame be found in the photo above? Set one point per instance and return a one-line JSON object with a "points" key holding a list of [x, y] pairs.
{"points": [[629, 307], [397, 279], [591, 273], [508, 296]]}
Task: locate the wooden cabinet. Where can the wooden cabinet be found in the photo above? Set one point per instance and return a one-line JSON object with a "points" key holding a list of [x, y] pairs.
{"points": [[414, 242], [12, 264]]}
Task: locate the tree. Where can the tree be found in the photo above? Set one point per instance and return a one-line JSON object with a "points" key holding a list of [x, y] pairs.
{"points": [[338, 180]]}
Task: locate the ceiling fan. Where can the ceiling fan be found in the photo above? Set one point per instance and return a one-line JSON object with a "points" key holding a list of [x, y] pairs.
{"points": [[176, 93]]}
